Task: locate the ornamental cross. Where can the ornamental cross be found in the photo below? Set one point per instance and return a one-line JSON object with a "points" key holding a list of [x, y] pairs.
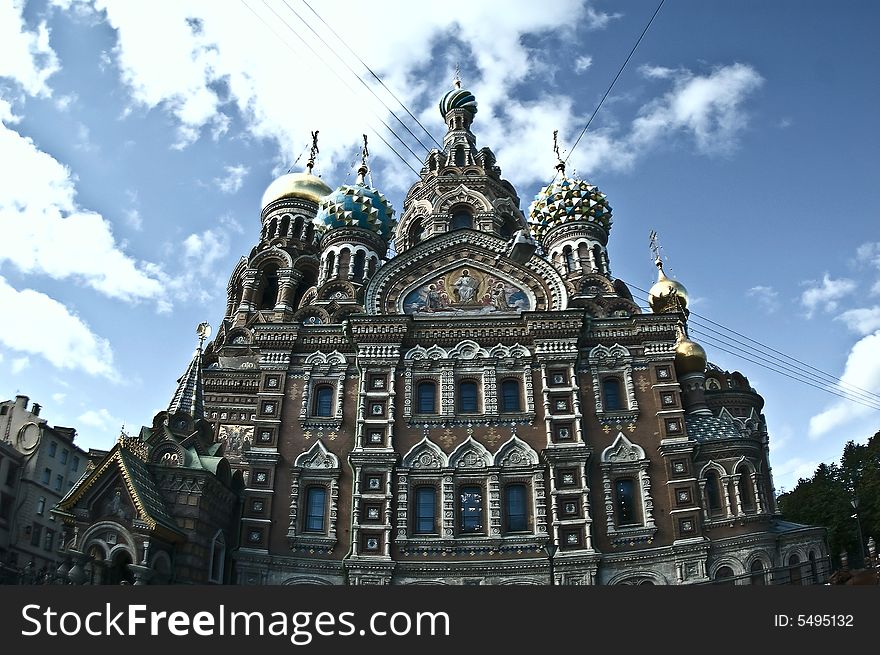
{"points": [[313, 152]]}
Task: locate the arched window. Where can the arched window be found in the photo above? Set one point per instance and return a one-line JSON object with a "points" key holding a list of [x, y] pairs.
{"points": [[426, 510], [625, 495], [516, 513], [427, 397], [360, 259], [316, 506], [814, 570], [597, 258], [269, 295], [218, 558], [467, 397], [297, 228], [724, 575], [462, 218], [470, 510], [569, 259], [371, 269], [510, 396], [746, 491], [713, 492], [285, 226], [757, 573], [323, 401], [331, 263], [509, 226], [416, 233], [459, 156], [611, 391], [794, 563]]}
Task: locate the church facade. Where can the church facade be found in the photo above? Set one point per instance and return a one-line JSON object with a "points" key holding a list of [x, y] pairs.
{"points": [[487, 406], [442, 415]]}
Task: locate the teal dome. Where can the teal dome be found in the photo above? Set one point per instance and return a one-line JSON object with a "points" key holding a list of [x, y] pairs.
{"points": [[567, 200], [458, 99], [357, 205]]}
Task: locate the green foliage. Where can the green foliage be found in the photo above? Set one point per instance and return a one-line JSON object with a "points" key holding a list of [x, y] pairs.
{"points": [[825, 498]]}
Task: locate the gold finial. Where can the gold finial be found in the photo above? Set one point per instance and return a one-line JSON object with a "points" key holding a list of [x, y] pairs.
{"points": [[313, 152], [456, 79], [654, 245], [560, 165]]}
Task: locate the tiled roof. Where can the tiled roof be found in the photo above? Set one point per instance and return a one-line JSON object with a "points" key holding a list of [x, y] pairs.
{"points": [[709, 428]]}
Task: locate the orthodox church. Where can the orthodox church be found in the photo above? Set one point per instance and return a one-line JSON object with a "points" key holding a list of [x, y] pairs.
{"points": [[488, 405]]}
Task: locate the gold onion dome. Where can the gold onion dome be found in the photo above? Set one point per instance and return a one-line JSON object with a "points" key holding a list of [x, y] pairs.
{"points": [[296, 185], [689, 357], [667, 295]]}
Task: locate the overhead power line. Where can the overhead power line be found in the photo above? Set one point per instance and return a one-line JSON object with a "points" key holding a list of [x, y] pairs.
{"points": [[803, 374], [370, 70], [323, 61], [614, 81]]}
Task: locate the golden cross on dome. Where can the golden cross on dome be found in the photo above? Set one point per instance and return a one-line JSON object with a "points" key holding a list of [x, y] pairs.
{"points": [[654, 244], [560, 165], [456, 79]]}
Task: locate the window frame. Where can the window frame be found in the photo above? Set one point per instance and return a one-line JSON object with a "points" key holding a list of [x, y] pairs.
{"points": [[509, 528], [423, 384], [309, 506], [505, 384], [417, 530], [460, 396], [316, 400], [462, 528]]}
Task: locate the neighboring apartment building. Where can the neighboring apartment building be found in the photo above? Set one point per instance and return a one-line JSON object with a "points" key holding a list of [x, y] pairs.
{"points": [[40, 464]]}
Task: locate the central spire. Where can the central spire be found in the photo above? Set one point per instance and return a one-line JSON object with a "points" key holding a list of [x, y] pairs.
{"points": [[189, 397]]}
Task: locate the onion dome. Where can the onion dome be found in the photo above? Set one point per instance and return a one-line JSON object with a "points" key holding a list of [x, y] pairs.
{"points": [[567, 200], [458, 98], [689, 357], [667, 295], [357, 205], [295, 185]]}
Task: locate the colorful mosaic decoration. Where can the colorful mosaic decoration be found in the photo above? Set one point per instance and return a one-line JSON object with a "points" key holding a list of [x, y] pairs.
{"points": [[566, 200], [357, 205], [466, 291]]}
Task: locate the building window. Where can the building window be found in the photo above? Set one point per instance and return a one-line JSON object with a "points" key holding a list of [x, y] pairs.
{"points": [[316, 498], [47, 475], [49, 541], [724, 575], [471, 510], [713, 492], [746, 493], [427, 401], [462, 219], [568, 254], [64, 454], [36, 532], [41, 506], [625, 495], [53, 448], [425, 510], [515, 508], [795, 576], [11, 474], [323, 401], [611, 391], [757, 573], [59, 482], [510, 396], [467, 397]]}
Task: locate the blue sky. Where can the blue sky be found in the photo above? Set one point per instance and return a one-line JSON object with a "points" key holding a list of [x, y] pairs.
{"points": [[137, 138]]}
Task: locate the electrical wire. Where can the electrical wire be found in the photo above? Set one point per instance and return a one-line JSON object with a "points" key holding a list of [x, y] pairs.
{"points": [[289, 47], [614, 81], [376, 77]]}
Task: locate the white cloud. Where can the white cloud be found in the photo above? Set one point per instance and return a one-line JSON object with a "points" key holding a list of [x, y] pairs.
{"points": [[863, 371], [20, 364], [709, 107], [659, 72], [787, 473], [767, 297], [233, 179], [825, 295], [133, 219], [44, 231], [36, 324], [59, 397], [582, 64], [863, 320], [25, 55], [869, 253], [100, 419]]}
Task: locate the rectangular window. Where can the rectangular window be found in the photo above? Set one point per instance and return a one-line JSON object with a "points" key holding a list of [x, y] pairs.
{"points": [[64, 454], [5, 506], [324, 401], [59, 482], [11, 474], [50, 540], [626, 502], [467, 397], [425, 510], [510, 396], [517, 514], [74, 466], [36, 531], [53, 448], [47, 475], [41, 506], [315, 509], [471, 510], [427, 401]]}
